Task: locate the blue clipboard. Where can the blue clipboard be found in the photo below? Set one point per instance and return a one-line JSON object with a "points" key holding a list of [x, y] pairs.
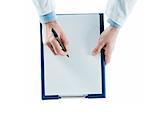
{"points": [[43, 85]]}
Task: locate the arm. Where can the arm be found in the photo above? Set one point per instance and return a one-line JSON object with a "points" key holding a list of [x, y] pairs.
{"points": [[117, 12], [46, 12]]}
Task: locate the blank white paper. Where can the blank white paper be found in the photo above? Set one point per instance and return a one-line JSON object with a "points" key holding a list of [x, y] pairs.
{"points": [[80, 74]]}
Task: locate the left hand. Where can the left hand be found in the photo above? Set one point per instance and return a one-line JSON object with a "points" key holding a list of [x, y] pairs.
{"points": [[106, 41]]}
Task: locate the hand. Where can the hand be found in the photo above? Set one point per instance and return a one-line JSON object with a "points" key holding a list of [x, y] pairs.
{"points": [[50, 40], [106, 41]]}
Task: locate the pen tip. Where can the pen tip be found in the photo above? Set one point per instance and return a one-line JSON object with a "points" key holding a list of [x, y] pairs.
{"points": [[68, 56]]}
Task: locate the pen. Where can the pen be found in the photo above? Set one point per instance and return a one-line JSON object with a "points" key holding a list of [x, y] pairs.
{"points": [[59, 41]]}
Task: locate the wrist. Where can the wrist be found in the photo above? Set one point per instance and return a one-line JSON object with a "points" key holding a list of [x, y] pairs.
{"points": [[50, 17], [113, 23], [51, 23], [114, 28]]}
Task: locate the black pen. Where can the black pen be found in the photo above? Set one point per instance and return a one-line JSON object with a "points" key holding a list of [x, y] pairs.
{"points": [[59, 41]]}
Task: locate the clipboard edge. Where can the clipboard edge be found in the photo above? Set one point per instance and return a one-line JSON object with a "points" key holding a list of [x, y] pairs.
{"points": [[89, 96]]}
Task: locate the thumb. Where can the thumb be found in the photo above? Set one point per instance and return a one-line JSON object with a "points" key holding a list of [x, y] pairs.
{"points": [[98, 48]]}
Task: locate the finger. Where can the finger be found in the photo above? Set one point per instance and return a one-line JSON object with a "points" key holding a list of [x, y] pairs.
{"points": [[58, 48], [107, 54], [65, 41], [98, 48], [51, 48], [48, 36]]}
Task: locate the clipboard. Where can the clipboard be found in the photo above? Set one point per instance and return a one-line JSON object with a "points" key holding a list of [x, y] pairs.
{"points": [[57, 86]]}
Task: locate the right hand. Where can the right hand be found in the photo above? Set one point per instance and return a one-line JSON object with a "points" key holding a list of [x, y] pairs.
{"points": [[50, 40]]}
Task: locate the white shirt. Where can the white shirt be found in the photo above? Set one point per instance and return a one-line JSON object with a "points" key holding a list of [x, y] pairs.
{"points": [[116, 10]]}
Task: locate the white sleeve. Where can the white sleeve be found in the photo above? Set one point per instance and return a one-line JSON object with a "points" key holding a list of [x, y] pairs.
{"points": [[44, 6], [118, 10]]}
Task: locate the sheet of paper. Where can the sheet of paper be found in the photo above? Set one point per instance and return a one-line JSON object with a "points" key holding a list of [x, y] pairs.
{"points": [[80, 74]]}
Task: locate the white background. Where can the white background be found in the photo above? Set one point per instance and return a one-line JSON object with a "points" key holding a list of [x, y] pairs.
{"points": [[127, 78]]}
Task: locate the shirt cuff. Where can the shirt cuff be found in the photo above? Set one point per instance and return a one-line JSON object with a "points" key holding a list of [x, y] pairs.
{"points": [[113, 23], [48, 17]]}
